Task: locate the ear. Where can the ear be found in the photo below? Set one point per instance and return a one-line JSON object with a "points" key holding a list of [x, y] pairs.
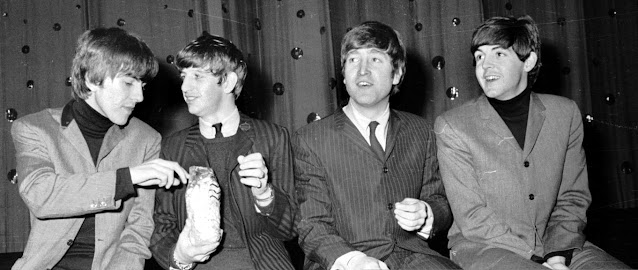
{"points": [[397, 76], [530, 62], [230, 82], [91, 86]]}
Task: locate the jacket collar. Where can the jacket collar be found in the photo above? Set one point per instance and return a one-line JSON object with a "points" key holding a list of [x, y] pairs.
{"points": [[535, 119]]}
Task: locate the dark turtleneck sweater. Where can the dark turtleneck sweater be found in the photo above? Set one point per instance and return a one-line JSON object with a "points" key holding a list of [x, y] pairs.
{"points": [[514, 113], [94, 127]]}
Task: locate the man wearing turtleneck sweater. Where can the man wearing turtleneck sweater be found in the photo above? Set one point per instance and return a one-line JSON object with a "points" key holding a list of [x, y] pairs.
{"points": [[513, 164], [82, 166]]}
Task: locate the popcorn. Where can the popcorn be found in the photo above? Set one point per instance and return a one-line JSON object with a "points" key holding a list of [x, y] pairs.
{"points": [[202, 205]]}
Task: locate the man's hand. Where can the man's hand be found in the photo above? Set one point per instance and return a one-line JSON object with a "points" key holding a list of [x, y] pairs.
{"points": [[556, 263], [158, 172], [366, 263], [253, 172], [188, 252], [410, 214]]}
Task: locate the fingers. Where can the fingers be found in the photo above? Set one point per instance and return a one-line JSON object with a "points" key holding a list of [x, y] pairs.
{"points": [[410, 214], [159, 172], [253, 170]]}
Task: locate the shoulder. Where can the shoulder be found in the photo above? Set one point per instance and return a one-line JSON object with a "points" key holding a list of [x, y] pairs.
{"points": [[47, 119], [549, 100], [463, 115], [319, 126], [137, 127]]}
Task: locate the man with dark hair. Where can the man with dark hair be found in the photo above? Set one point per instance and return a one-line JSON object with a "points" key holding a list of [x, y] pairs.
{"points": [[513, 164], [83, 166], [252, 162], [367, 177]]}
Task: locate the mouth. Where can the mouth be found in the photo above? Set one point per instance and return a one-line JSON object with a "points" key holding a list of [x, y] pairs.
{"points": [[490, 78], [189, 98], [363, 84]]}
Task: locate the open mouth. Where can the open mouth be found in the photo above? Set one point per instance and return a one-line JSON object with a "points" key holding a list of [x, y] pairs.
{"points": [[491, 78]]}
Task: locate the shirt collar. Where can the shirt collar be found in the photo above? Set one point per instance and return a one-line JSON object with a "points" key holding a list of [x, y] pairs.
{"points": [[362, 122], [229, 125]]}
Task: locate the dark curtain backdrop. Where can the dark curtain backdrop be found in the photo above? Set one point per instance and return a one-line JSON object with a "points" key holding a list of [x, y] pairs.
{"points": [[292, 48]]}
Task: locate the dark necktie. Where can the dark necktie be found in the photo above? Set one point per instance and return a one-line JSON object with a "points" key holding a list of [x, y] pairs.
{"points": [[218, 130], [374, 143]]}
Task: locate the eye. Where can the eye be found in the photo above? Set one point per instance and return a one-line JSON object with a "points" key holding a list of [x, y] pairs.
{"points": [[182, 76], [478, 57], [376, 60]]}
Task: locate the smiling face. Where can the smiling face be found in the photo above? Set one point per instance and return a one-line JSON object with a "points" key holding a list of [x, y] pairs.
{"points": [[116, 97], [369, 77], [202, 91], [500, 72]]}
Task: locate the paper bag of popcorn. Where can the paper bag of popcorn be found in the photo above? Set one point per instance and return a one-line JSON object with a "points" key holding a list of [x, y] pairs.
{"points": [[202, 205]]}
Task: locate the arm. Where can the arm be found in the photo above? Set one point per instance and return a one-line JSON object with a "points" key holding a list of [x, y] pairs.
{"points": [[565, 227], [433, 192], [278, 213], [132, 250], [167, 225], [318, 236], [476, 221]]}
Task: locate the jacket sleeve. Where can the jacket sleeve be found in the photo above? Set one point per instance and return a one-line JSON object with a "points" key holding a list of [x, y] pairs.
{"points": [[132, 250], [432, 190], [476, 221], [48, 186], [280, 220], [568, 219], [318, 237]]}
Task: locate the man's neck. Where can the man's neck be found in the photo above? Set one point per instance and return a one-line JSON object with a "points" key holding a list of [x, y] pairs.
{"points": [[221, 114], [371, 112]]}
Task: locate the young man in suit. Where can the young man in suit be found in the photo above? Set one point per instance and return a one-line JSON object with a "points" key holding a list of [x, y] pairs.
{"points": [[513, 164], [367, 176], [251, 159], [82, 166]]}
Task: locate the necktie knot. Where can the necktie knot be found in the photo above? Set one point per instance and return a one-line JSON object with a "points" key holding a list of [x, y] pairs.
{"points": [[374, 143], [218, 130]]}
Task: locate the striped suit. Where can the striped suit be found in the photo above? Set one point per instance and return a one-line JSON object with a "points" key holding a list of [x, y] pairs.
{"points": [[347, 194], [264, 234]]}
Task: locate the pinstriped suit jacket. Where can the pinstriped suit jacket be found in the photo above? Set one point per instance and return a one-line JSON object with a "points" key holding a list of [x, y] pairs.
{"points": [[346, 193], [528, 201], [264, 234], [60, 183]]}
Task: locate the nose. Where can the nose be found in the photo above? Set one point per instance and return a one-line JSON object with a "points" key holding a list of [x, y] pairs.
{"points": [[138, 94], [363, 67], [487, 62], [185, 85]]}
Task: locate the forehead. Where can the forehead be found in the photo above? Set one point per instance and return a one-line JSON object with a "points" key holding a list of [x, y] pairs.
{"points": [[374, 51], [490, 48], [205, 69]]}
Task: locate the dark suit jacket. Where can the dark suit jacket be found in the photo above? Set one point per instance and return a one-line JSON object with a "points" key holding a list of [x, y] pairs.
{"points": [[347, 194], [60, 184], [264, 232], [529, 201]]}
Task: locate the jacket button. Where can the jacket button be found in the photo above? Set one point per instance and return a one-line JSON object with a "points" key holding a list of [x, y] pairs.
{"points": [[385, 169], [390, 206], [526, 163], [70, 242], [531, 197]]}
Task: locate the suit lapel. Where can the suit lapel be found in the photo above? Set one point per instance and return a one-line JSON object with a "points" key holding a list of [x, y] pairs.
{"points": [[73, 134], [394, 125], [535, 121], [493, 121], [344, 125], [112, 138], [245, 137]]}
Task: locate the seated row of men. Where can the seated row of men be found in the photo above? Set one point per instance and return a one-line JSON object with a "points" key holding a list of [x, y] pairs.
{"points": [[364, 188]]}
